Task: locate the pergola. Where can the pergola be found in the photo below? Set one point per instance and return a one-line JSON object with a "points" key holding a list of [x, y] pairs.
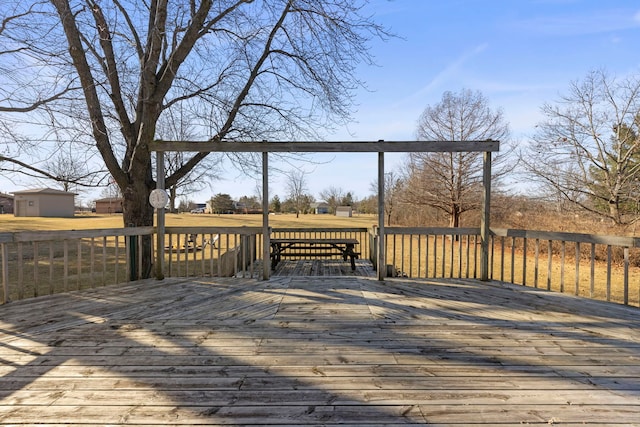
{"points": [[381, 147]]}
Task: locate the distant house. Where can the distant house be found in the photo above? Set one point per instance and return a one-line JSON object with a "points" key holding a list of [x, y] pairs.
{"points": [[44, 202], [345, 211], [320, 208], [109, 205], [6, 203]]}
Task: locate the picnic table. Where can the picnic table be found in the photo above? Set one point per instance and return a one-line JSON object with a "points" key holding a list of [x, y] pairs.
{"points": [[313, 247]]}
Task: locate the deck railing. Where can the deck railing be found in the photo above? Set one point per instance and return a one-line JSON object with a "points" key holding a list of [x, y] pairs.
{"points": [[235, 251], [592, 266], [212, 251], [46, 262]]}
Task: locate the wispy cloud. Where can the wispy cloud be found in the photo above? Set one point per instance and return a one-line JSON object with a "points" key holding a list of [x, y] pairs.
{"points": [[595, 22], [447, 74]]}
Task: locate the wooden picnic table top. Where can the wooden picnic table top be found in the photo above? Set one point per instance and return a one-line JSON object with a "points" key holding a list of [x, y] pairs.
{"points": [[313, 241]]}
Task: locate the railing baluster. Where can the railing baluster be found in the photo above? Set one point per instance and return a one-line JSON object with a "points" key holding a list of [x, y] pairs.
{"points": [[66, 264], [492, 256], [20, 272], [104, 260], [468, 259], [91, 262], [451, 254], [549, 266], [577, 284], [419, 258], [502, 258], [563, 245], [524, 261], [592, 281], [51, 260], [36, 266], [535, 264], [626, 276], [427, 238], [608, 291], [513, 259], [444, 255], [4, 250], [117, 259], [79, 263], [435, 256]]}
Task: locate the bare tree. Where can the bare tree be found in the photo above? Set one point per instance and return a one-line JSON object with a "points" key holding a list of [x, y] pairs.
{"points": [[393, 188], [297, 190], [256, 70], [177, 125], [333, 197], [23, 92], [587, 150], [69, 169], [111, 191], [452, 182]]}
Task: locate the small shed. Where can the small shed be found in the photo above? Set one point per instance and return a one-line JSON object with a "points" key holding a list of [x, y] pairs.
{"points": [[109, 205], [6, 203], [344, 211], [44, 202]]}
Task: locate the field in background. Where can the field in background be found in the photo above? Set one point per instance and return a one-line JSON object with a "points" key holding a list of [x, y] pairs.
{"points": [[10, 223], [409, 254]]}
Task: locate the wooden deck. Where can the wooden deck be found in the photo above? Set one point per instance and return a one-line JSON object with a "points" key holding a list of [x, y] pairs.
{"points": [[324, 267], [318, 351]]}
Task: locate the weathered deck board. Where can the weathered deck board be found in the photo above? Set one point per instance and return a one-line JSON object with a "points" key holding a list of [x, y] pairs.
{"points": [[318, 351], [323, 267]]}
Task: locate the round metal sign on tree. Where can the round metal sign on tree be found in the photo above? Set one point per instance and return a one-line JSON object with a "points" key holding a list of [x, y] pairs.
{"points": [[158, 198]]}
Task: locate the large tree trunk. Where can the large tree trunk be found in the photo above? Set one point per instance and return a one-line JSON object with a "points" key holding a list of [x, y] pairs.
{"points": [[614, 211], [139, 213], [454, 218]]}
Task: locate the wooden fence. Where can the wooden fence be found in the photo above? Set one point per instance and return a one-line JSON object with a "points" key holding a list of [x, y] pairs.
{"points": [[592, 266]]}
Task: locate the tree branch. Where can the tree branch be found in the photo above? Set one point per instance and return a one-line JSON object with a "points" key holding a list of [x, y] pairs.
{"points": [[76, 51]]}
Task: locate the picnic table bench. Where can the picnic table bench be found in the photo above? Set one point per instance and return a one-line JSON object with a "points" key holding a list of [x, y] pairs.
{"points": [[314, 247]]}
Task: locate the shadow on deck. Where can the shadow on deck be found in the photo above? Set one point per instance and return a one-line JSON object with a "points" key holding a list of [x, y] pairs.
{"points": [[323, 267], [318, 351]]}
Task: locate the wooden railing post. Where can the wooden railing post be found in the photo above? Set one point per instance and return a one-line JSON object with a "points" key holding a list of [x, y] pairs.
{"points": [[160, 218], [382, 241], [266, 232], [484, 219]]}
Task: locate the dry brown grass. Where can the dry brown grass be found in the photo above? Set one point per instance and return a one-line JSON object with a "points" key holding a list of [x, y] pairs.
{"points": [[10, 223]]}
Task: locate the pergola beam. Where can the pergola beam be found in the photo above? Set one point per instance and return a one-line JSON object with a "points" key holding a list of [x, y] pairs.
{"points": [[327, 146]]}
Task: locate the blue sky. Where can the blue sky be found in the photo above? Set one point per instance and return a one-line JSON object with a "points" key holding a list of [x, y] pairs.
{"points": [[518, 53]]}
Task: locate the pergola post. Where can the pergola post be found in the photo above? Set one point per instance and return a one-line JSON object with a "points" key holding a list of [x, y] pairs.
{"points": [[382, 262], [266, 243], [485, 216], [160, 218]]}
